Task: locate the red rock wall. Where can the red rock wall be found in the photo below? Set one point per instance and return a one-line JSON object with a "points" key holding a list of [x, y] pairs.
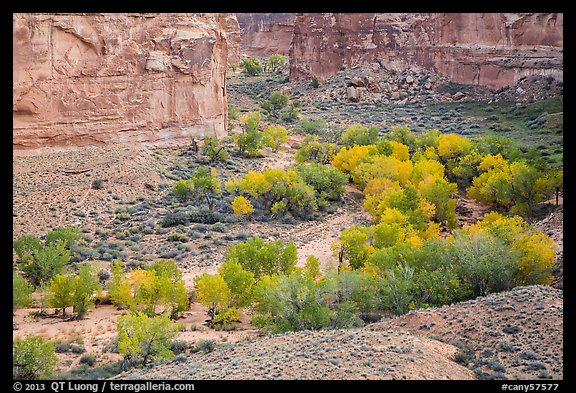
{"points": [[492, 50], [96, 79], [266, 33]]}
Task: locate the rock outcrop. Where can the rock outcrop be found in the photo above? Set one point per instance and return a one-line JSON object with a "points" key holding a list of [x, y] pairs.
{"points": [[95, 79], [234, 39], [490, 49], [266, 33]]}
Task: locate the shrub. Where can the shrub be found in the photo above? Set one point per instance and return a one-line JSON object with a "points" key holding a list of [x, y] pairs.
{"points": [[171, 218], [89, 359], [242, 206], [98, 184], [177, 347], [310, 126], [226, 319], [205, 345], [33, 359]]}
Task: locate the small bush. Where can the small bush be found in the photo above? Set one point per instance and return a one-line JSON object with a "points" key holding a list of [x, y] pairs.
{"points": [[98, 184], [464, 355], [177, 347], [89, 359], [205, 345]]}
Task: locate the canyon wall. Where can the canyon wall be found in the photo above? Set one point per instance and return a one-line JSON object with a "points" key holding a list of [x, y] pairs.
{"points": [[490, 49], [266, 33], [94, 79]]}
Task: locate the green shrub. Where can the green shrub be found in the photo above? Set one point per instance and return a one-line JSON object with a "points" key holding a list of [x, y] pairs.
{"points": [[205, 345], [89, 359], [98, 184], [33, 358]]}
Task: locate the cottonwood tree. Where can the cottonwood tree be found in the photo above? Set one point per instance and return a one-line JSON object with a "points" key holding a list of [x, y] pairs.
{"points": [[142, 339]]}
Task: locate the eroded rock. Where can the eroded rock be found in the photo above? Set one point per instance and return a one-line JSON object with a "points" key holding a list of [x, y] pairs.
{"points": [[96, 79]]}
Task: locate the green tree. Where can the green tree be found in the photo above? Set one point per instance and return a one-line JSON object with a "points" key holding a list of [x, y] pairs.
{"points": [[354, 247], [183, 189], [274, 137], [25, 246], [119, 288], [251, 66], [326, 179], [173, 294], [21, 292], [528, 188], [213, 292], [275, 62], [33, 359], [207, 183], [250, 139], [555, 181], [46, 262], [359, 135], [275, 103], [67, 235], [239, 281], [402, 134], [313, 151], [85, 287], [213, 149], [142, 339], [484, 263], [260, 257], [61, 292], [312, 267], [441, 193]]}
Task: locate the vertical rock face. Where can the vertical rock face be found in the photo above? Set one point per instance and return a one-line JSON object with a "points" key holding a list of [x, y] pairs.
{"points": [[265, 34], [234, 39], [92, 79], [493, 49]]}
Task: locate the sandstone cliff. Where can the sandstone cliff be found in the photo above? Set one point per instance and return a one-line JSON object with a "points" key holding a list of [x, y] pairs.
{"points": [[94, 79], [266, 33], [493, 50]]}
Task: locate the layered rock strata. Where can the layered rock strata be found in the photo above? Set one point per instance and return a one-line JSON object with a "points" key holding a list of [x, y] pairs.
{"points": [[266, 33], [94, 79], [489, 49]]}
